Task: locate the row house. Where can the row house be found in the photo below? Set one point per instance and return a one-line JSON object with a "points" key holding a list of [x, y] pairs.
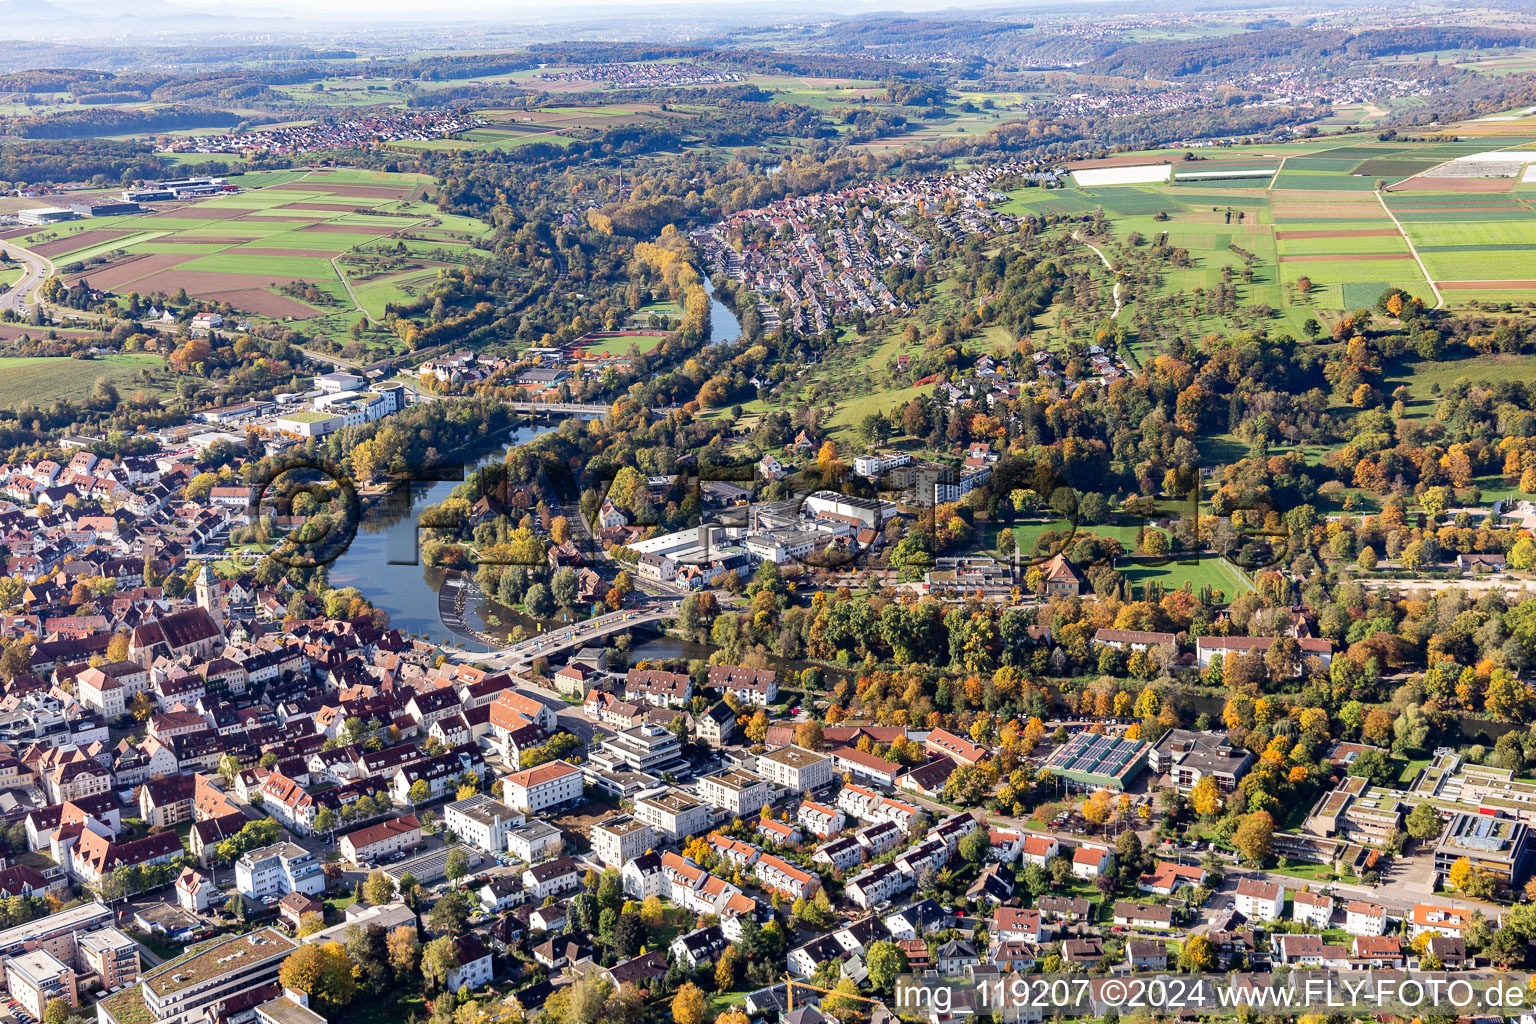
{"points": [[779, 875], [775, 831], [879, 838], [820, 820], [840, 854], [876, 884]]}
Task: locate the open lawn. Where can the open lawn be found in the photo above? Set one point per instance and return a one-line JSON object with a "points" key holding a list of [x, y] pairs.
{"points": [[1426, 380], [845, 422], [1195, 572], [44, 378]]}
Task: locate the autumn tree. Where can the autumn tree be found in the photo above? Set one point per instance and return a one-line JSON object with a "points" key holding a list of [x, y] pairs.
{"points": [[323, 972], [379, 888], [1254, 838], [1097, 808], [1198, 955], [1206, 797], [757, 727], [404, 950], [689, 1006]]}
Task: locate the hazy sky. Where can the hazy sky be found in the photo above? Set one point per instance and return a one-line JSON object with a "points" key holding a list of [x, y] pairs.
{"points": [[540, 10]]}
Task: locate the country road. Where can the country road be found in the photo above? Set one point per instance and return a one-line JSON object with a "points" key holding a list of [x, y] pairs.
{"points": [[350, 293]]}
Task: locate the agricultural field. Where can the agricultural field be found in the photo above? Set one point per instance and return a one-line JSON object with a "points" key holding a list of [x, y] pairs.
{"points": [[1331, 222], [295, 246]]}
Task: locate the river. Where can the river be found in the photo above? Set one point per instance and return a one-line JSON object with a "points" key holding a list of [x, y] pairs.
{"points": [[723, 325], [373, 562], [377, 560]]}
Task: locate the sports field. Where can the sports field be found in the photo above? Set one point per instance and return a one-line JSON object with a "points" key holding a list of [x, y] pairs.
{"points": [[276, 250]]}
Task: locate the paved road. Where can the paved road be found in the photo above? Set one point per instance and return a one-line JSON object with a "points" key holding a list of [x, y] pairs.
{"points": [[556, 641], [38, 269]]}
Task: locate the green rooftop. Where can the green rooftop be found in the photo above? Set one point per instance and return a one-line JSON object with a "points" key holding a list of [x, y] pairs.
{"points": [[127, 1006], [228, 955]]}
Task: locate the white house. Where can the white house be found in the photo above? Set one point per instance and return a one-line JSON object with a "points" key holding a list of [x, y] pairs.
{"points": [[278, 870], [1368, 919], [1311, 908], [537, 789], [551, 877], [482, 822], [1038, 850], [1091, 861], [1259, 901]]}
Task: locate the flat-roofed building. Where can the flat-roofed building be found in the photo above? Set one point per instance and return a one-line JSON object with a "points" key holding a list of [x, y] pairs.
{"points": [[1188, 756], [111, 956], [673, 814], [796, 768], [277, 870], [482, 821], [387, 916], [645, 748], [1098, 761], [736, 791], [56, 933], [37, 978], [177, 992], [1490, 842]]}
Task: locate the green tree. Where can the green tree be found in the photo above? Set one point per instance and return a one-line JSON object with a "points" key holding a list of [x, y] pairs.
{"points": [[450, 914], [439, 958], [379, 888], [1423, 822], [975, 846], [886, 962], [457, 865]]}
